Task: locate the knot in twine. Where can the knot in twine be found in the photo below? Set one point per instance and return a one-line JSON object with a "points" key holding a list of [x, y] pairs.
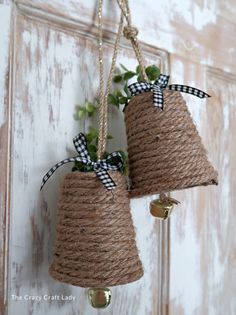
{"points": [[130, 32]]}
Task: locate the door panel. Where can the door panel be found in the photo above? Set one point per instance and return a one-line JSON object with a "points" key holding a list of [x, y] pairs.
{"points": [[48, 66], [5, 43], [202, 239], [55, 67]]}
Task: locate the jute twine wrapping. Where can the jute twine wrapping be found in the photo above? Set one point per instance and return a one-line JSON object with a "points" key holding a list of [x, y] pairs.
{"points": [[165, 150], [95, 242]]}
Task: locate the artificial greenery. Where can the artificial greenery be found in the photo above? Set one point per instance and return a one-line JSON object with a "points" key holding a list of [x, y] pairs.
{"points": [[88, 110], [121, 95]]}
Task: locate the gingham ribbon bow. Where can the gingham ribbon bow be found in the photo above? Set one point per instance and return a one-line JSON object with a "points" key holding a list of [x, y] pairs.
{"points": [[100, 167], [161, 84]]}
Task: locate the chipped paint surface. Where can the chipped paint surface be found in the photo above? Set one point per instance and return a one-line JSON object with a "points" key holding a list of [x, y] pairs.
{"points": [[5, 26], [172, 25], [202, 243], [55, 68]]}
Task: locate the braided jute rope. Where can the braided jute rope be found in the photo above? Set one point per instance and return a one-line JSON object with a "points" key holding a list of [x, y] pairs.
{"points": [[105, 88], [165, 150], [95, 242]]}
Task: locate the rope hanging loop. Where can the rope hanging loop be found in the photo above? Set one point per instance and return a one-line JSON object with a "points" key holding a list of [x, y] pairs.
{"points": [[131, 33], [104, 90]]}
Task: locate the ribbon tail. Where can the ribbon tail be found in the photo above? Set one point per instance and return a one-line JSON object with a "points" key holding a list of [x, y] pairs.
{"points": [[56, 166], [80, 144], [158, 97], [189, 90], [139, 87], [119, 162], [162, 81], [105, 178]]}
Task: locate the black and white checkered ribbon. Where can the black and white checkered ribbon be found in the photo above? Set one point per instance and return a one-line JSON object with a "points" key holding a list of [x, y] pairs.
{"points": [[100, 167], [161, 84]]}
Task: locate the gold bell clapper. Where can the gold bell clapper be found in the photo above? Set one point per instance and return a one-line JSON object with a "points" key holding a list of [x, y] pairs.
{"points": [[99, 297], [162, 207]]}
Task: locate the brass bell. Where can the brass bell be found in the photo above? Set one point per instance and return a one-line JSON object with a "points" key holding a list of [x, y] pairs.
{"points": [[99, 297], [162, 207]]}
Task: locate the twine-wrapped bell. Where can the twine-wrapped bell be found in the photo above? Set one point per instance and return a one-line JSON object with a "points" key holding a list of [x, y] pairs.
{"points": [[95, 242], [165, 150]]}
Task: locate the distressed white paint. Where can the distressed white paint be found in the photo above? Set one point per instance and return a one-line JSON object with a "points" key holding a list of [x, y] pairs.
{"points": [[187, 75], [58, 72], [171, 25], [5, 26], [5, 13], [194, 14], [55, 68], [184, 271], [202, 233]]}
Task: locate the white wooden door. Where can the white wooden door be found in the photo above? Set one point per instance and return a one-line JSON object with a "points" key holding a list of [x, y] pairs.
{"points": [[48, 66]]}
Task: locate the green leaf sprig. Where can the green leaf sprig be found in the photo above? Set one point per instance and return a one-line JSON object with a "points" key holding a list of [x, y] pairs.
{"points": [[121, 95], [88, 110]]}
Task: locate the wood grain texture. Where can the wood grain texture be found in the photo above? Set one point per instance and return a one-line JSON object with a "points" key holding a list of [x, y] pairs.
{"points": [[5, 104], [219, 241], [55, 68], [201, 31], [202, 241]]}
